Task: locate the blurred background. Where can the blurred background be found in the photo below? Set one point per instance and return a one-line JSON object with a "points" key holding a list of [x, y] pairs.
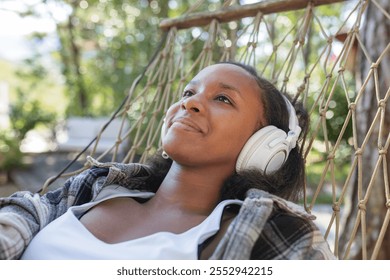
{"points": [[61, 60]]}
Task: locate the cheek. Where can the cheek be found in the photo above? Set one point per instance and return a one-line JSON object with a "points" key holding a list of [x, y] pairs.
{"points": [[168, 116], [234, 135], [172, 110]]}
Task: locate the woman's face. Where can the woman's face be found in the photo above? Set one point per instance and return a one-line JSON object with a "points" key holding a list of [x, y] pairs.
{"points": [[220, 109]]}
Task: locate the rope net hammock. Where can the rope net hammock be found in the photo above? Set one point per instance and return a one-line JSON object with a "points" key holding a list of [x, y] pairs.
{"points": [[349, 120]]}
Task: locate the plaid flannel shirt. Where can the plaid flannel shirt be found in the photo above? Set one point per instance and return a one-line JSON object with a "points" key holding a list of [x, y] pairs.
{"points": [[266, 227]]}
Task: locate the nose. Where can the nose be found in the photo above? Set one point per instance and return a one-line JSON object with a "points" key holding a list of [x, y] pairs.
{"points": [[192, 104]]}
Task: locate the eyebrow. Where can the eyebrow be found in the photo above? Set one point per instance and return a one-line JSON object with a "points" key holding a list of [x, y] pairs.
{"points": [[221, 85], [193, 82], [229, 87]]}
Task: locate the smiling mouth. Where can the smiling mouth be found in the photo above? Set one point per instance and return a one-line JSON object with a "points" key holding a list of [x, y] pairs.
{"points": [[186, 125]]}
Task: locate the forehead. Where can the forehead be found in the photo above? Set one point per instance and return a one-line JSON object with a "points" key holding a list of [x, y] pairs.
{"points": [[225, 71], [229, 76], [225, 76]]}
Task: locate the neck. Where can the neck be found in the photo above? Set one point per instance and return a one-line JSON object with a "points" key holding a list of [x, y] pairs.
{"points": [[192, 190]]}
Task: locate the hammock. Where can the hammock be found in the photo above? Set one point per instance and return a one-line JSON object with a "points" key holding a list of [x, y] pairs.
{"points": [[277, 38]]}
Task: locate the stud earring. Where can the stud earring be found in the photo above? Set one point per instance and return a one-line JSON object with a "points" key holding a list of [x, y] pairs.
{"points": [[164, 155]]}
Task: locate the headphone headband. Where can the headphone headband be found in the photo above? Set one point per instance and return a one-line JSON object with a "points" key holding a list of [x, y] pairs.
{"points": [[293, 125]]}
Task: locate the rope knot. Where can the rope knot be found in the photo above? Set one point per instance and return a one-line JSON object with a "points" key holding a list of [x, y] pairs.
{"points": [[335, 208], [374, 65], [362, 205], [352, 106], [250, 44], [301, 88], [388, 204], [382, 152], [382, 103], [358, 152], [331, 156], [341, 69], [148, 148]]}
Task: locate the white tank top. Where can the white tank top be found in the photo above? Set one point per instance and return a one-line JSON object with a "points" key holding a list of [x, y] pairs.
{"points": [[67, 238]]}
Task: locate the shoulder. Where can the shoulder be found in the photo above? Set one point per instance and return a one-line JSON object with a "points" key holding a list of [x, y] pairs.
{"points": [[288, 225], [290, 236], [78, 189]]}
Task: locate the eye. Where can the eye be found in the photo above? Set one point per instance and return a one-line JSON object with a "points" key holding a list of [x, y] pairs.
{"points": [[224, 99], [187, 93]]}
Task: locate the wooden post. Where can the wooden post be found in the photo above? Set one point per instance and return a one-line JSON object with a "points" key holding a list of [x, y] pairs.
{"points": [[237, 12]]}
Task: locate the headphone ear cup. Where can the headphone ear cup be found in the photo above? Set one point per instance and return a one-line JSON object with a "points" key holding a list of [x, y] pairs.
{"points": [[266, 150]]}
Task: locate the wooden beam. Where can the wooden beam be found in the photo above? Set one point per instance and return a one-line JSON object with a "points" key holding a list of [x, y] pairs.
{"points": [[237, 12]]}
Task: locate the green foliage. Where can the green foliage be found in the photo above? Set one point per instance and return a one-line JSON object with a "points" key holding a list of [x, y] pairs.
{"points": [[103, 46], [10, 154], [31, 85], [25, 116]]}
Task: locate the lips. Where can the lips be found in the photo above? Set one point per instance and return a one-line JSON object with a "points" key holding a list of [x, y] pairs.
{"points": [[186, 124]]}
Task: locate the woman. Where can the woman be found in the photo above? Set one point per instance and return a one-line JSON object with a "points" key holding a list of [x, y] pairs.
{"points": [[217, 192]]}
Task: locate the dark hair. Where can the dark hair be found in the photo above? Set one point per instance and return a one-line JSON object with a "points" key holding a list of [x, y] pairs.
{"points": [[288, 181]]}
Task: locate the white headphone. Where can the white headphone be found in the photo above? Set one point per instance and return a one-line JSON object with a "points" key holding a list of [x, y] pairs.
{"points": [[268, 148]]}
